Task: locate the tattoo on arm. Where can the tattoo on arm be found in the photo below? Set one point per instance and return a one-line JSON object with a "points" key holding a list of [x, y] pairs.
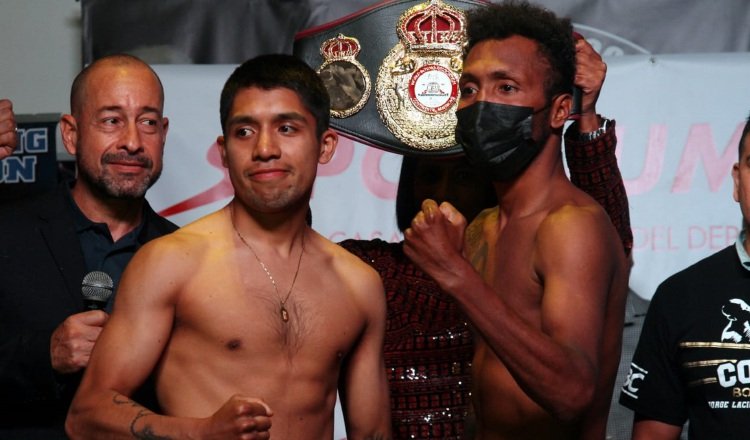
{"points": [[475, 244], [479, 258], [146, 433], [119, 399]]}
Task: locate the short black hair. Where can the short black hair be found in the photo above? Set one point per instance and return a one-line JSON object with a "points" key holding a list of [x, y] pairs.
{"points": [[553, 35], [279, 71], [745, 132]]}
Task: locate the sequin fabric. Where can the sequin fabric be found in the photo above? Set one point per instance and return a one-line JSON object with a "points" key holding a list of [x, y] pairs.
{"points": [[593, 168], [428, 347]]}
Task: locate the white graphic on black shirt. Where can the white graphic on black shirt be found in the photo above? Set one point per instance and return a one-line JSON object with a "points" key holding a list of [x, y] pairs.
{"points": [[635, 375], [738, 313]]}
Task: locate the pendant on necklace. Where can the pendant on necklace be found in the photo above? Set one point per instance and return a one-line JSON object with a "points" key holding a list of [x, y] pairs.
{"points": [[284, 314]]}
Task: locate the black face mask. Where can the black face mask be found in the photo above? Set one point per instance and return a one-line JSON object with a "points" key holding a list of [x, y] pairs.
{"points": [[497, 138]]}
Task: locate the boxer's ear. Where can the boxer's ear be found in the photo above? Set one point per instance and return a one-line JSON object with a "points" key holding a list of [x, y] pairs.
{"points": [[328, 141]]}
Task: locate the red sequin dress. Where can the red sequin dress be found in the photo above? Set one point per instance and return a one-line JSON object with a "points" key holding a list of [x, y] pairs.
{"points": [[428, 347]]}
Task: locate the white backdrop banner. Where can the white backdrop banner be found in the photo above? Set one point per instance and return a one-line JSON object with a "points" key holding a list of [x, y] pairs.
{"points": [[679, 119]]}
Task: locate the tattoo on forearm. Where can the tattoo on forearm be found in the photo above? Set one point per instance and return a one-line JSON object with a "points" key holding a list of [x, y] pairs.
{"points": [[119, 399], [146, 433]]}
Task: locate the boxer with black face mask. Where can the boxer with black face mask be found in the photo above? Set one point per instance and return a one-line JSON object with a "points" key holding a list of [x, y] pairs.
{"points": [[542, 277], [498, 138]]}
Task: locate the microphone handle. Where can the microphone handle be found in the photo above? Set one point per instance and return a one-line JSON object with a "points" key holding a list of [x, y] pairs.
{"points": [[90, 304]]}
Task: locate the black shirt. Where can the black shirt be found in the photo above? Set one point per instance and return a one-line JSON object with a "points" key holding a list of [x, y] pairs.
{"points": [[100, 252]]}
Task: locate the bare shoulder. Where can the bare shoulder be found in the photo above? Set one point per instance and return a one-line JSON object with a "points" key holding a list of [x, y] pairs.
{"points": [[475, 229], [183, 242], [475, 239], [362, 280], [342, 261], [578, 229], [168, 259], [573, 217]]}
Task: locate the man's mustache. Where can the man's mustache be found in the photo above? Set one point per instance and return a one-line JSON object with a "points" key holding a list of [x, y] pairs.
{"points": [[124, 158]]}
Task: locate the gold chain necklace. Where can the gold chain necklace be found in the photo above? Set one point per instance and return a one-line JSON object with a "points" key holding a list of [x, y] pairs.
{"points": [[282, 302]]}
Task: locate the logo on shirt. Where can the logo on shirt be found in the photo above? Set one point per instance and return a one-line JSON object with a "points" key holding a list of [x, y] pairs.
{"points": [[632, 383], [719, 368], [737, 313]]}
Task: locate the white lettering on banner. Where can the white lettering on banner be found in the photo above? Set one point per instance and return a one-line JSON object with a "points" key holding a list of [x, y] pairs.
{"points": [[718, 404], [34, 140], [743, 404], [20, 168], [15, 169]]}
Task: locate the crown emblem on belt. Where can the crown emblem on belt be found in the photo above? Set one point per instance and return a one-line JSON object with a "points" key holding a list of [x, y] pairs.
{"points": [[340, 47], [345, 78], [433, 26], [417, 85]]}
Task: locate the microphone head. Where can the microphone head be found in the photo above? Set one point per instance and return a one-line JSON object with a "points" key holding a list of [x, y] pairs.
{"points": [[96, 289]]}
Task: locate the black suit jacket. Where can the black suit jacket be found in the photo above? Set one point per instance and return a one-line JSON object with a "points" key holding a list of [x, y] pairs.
{"points": [[41, 269]]}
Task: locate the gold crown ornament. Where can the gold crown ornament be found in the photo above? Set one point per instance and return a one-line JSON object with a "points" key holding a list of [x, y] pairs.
{"points": [[417, 85], [345, 78]]}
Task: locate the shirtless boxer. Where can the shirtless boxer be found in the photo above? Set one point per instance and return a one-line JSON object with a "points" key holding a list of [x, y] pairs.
{"points": [[542, 277], [249, 320]]}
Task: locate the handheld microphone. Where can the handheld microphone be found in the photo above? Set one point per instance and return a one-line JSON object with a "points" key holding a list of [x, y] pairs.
{"points": [[96, 289]]}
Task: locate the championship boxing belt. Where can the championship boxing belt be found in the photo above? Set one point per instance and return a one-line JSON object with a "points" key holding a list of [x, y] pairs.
{"points": [[392, 73]]}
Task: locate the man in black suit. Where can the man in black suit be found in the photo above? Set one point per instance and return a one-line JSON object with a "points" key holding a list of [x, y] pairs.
{"points": [[116, 132]]}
